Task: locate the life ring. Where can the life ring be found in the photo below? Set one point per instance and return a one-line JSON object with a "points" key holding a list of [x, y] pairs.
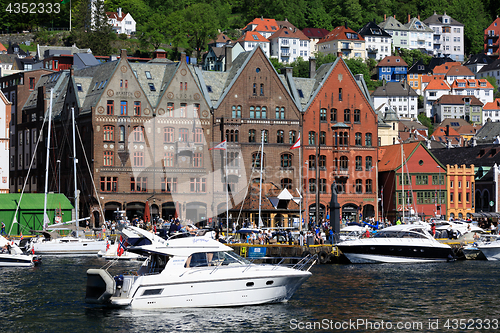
{"points": [[306, 253], [323, 257]]}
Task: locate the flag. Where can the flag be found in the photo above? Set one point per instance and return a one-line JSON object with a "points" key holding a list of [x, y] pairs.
{"points": [[107, 245], [65, 1], [296, 144], [221, 146], [21, 238], [122, 246]]}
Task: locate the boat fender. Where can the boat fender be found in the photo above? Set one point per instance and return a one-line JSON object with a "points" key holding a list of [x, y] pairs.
{"points": [[323, 257], [306, 253]]}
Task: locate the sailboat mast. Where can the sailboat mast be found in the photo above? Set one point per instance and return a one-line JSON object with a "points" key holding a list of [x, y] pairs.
{"points": [[260, 188], [74, 169], [402, 184], [45, 219]]}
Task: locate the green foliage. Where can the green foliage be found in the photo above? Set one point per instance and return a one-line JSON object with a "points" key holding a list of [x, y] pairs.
{"points": [[152, 32], [412, 56], [493, 82], [424, 120], [324, 59], [200, 24]]}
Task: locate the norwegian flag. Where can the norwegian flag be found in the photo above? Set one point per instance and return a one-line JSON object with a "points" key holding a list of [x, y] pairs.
{"points": [[296, 144], [122, 246], [221, 146], [107, 245]]}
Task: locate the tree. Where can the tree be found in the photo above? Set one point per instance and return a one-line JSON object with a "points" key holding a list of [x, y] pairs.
{"points": [[493, 82], [200, 24], [152, 32], [424, 120]]}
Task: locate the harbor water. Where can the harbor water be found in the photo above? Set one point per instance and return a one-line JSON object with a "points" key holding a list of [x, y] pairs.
{"points": [[337, 298]]}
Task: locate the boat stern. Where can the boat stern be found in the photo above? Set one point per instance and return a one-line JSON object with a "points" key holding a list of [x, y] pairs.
{"points": [[100, 286]]}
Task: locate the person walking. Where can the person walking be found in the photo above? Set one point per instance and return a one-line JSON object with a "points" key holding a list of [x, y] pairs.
{"points": [[3, 230]]}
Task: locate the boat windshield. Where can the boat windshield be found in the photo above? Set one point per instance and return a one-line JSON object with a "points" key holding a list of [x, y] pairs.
{"points": [[414, 233], [204, 259]]}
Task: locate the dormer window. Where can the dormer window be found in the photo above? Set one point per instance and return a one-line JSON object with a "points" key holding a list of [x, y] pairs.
{"points": [[397, 60], [148, 75]]}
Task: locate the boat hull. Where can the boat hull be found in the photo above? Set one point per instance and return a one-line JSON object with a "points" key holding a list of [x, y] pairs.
{"points": [[7, 260], [71, 247], [491, 253], [373, 253]]}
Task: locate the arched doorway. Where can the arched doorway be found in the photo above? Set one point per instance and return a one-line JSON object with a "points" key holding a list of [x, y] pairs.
{"points": [[278, 221], [155, 212], [312, 212], [168, 210], [368, 211], [135, 209], [109, 210], [196, 212], [349, 212]]}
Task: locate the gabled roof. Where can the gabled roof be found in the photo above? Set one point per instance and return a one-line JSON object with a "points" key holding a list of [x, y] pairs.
{"points": [[488, 133], [395, 89], [408, 125], [392, 24], [315, 33], [472, 84], [114, 15], [495, 105], [392, 61], [416, 25], [444, 68], [252, 36], [436, 61], [481, 155], [342, 33], [458, 100], [436, 19], [221, 38], [441, 131], [263, 25], [372, 29], [391, 156], [2, 48], [479, 58], [429, 78], [418, 68], [495, 65], [459, 71], [438, 85], [287, 33]]}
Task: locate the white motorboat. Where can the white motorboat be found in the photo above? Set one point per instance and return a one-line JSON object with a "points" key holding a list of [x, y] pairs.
{"points": [[491, 250], [351, 232], [192, 272], [51, 244], [472, 251], [112, 253], [399, 243], [12, 256]]}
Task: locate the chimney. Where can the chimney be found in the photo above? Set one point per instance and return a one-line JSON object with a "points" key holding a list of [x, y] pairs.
{"points": [[228, 57], [312, 67], [72, 70], [183, 56], [447, 132], [123, 53], [339, 54], [119, 12], [385, 17], [409, 18], [288, 71], [345, 24], [418, 17], [160, 54]]}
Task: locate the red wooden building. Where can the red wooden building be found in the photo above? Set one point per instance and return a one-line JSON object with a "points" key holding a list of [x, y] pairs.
{"points": [[417, 188]]}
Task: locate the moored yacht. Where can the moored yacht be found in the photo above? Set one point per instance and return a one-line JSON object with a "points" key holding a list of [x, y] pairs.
{"points": [[192, 272], [399, 243], [12, 256], [491, 250], [53, 243]]}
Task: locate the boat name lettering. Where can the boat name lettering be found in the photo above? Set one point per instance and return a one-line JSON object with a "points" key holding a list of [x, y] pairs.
{"points": [[197, 240]]}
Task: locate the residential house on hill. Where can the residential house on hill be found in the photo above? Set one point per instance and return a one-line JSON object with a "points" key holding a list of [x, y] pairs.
{"points": [[264, 26], [458, 107], [398, 31], [491, 38], [477, 61], [287, 45], [122, 23], [448, 36], [420, 35], [414, 75], [399, 96], [492, 70], [221, 58], [448, 136], [480, 88], [488, 134], [463, 127], [392, 69], [459, 72], [388, 126], [253, 39], [491, 111], [220, 41], [314, 35], [16, 49], [412, 180], [432, 92], [378, 42], [343, 41]]}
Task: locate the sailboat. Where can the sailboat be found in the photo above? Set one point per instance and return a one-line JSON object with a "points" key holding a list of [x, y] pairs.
{"points": [[12, 256], [51, 243]]}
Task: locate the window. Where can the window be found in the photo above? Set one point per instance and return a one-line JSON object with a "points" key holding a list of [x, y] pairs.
{"points": [[137, 108], [251, 135], [108, 158], [236, 111], [435, 180], [344, 163], [312, 138], [280, 136], [152, 87], [183, 135], [421, 179], [122, 133], [368, 163], [286, 161], [280, 112], [312, 162], [138, 184], [266, 136], [333, 115], [359, 163], [359, 186], [368, 139], [322, 114], [148, 75], [123, 108], [234, 159], [252, 112], [406, 179], [198, 135], [169, 184], [322, 162], [347, 116], [262, 89], [286, 183], [255, 89], [110, 107], [168, 134], [109, 133], [126, 83], [183, 110], [138, 159], [109, 184], [198, 160], [168, 160], [231, 136], [357, 139], [256, 160], [291, 137], [322, 185], [322, 138], [312, 185], [368, 186], [357, 116], [32, 83], [340, 94], [198, 185], [170, 110], [138, 134]]}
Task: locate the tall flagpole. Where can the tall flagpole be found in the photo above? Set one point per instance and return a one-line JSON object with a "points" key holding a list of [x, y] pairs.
{"points": [[300, 184]]}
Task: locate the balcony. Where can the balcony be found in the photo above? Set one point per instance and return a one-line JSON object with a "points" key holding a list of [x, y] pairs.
{"points": [[285, 53], [346, 46], [185, 147], [372, 50], [491, 35]]}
